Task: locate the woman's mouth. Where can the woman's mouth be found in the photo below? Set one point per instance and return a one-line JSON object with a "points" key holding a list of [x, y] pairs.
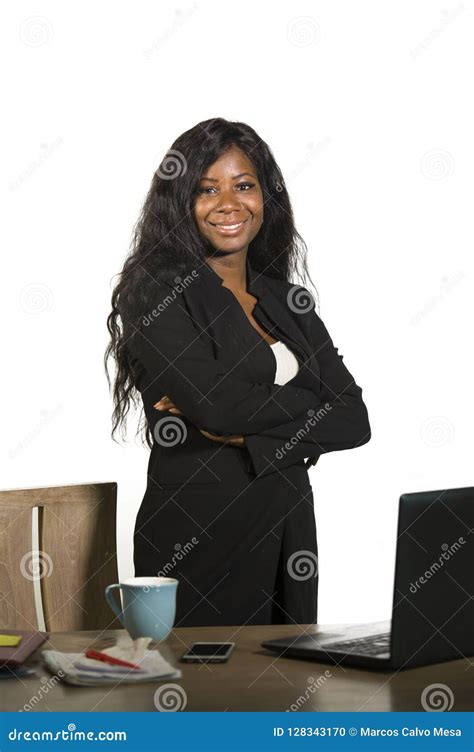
{"points": [[229, 228]]}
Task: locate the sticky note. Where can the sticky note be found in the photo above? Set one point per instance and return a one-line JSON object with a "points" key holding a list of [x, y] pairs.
{"points": [[9, 640]]}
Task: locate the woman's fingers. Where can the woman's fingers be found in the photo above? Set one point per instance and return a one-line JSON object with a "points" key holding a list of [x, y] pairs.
{"points": [[168, 405], [234, 440], [163, 403], [213, 436]]}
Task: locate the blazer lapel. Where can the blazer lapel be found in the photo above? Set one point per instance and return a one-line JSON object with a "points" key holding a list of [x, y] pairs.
{"points": [[277, 313], [219, 312]]}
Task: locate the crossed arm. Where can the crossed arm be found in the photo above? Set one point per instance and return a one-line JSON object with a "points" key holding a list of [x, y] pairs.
{"points": [[165, 403], [278, 425]]}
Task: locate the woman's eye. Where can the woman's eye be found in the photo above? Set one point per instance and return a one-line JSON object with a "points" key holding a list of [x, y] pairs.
{"points": [[205, 189]]}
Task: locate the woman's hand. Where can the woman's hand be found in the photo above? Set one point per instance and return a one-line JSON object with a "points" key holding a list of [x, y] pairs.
{"points": [[233, 440], [166, 404]]}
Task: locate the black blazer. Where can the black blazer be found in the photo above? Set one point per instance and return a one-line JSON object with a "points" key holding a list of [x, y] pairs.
{"points": [[198, 347]]}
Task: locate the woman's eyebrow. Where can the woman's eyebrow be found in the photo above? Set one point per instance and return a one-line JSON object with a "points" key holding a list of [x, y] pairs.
{"points": [[214, 180]]}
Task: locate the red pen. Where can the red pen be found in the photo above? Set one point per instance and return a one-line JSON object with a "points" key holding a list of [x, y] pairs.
{"points": [[109, 659]]}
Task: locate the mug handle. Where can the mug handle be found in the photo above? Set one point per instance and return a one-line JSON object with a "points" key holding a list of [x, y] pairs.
{"points": [[111, 601]]}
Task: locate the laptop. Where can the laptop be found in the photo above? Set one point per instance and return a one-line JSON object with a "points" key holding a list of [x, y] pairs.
{"points": [[433, 606]]}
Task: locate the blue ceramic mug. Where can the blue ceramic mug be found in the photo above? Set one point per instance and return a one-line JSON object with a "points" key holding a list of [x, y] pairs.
{"points": [[149, 606]]}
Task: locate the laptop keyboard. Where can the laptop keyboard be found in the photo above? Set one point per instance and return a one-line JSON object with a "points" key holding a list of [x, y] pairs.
{"points": [[372, 645]]}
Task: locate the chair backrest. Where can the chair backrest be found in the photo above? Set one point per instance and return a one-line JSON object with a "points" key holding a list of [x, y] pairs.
{"points": [[65, 570]]}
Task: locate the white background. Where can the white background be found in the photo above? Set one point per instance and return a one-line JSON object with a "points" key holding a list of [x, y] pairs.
{"points": [[366, 107]]}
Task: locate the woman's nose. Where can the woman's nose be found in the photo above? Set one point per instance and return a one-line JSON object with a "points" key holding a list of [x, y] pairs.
{"points": [[228, 200]]}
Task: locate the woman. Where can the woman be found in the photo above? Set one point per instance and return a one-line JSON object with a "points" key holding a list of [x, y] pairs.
{"points": [[239, 379]]}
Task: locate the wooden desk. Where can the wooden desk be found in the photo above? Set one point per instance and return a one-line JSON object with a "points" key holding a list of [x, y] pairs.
{"points": [[253, 679]]}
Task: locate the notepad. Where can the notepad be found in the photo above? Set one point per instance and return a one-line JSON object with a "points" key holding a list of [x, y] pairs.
{"points": [[74, 668], [9, 640], [26, 643]]}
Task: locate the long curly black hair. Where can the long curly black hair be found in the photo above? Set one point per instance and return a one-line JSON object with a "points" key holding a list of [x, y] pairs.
{"points": [[166, 242]]}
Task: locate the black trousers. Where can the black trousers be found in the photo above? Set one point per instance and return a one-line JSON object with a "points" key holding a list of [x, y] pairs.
{"points": [[244, 550]]}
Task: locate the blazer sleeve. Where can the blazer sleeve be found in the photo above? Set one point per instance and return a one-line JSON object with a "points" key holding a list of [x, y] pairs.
{"points": [[338, 421], [206, 392]]}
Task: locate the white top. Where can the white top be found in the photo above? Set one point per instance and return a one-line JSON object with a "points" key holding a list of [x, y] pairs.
{"points": [[287, 365]]}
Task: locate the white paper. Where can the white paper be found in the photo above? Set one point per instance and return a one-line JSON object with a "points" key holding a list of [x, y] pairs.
{"points": [[77, 669]]}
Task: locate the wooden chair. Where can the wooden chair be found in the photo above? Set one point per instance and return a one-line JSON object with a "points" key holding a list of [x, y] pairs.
{"points": [[74, 557]]}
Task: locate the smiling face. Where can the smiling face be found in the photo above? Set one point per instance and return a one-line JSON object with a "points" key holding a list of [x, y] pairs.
{"points": [[229, 206]]}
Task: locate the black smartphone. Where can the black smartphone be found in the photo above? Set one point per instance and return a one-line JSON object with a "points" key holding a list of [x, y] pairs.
{"points": [[208, 652]]}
